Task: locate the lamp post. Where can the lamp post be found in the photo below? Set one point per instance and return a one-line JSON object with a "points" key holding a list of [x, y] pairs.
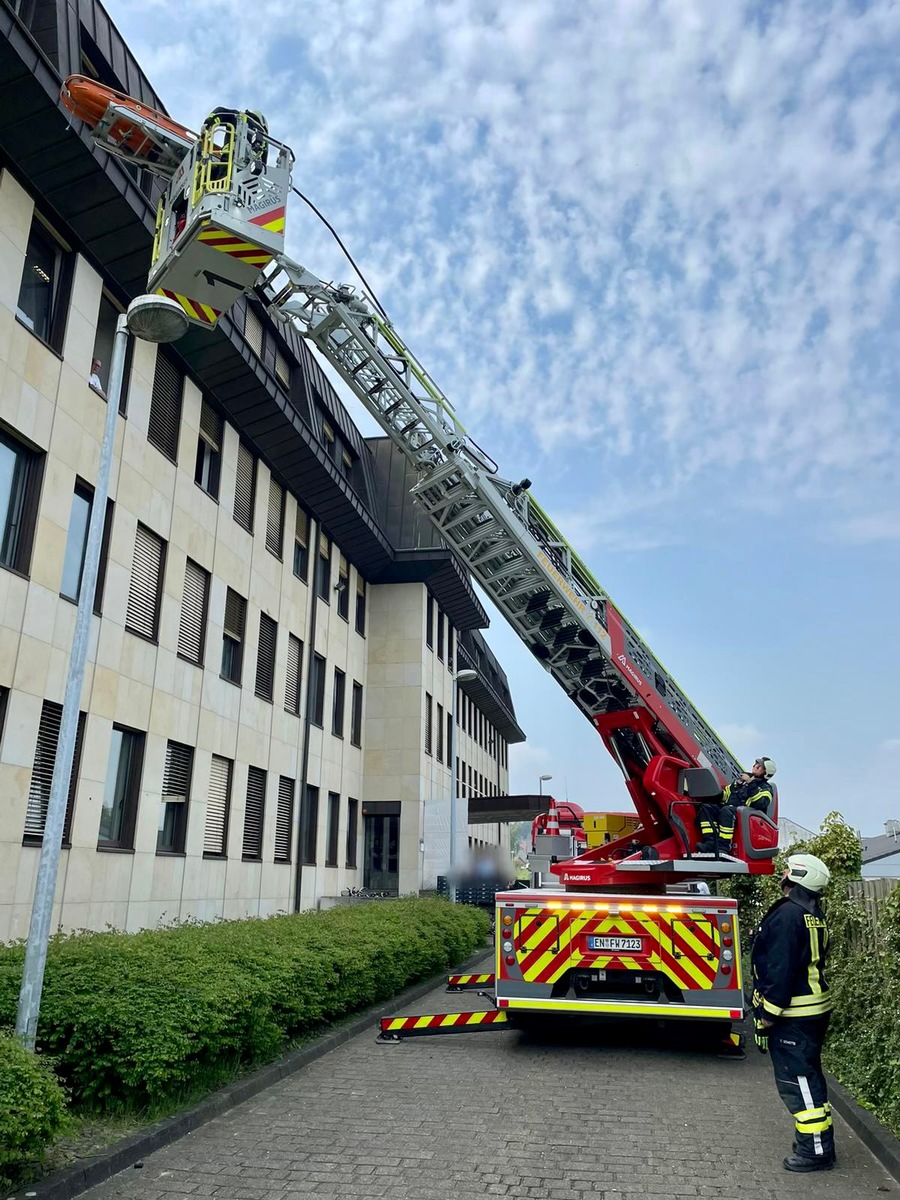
{"points": [[154, 319], [456, 680], [542, 779]]}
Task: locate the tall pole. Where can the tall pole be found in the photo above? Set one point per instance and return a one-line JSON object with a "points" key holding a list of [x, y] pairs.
{"points": [[48, 866]]}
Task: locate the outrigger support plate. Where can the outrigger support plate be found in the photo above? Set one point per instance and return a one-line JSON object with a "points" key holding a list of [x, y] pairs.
{"points": [[464, 983], [395, 1029]]}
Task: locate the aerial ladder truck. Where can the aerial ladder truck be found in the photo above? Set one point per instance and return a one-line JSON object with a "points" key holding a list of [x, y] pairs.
{"points": [[618, 934]]}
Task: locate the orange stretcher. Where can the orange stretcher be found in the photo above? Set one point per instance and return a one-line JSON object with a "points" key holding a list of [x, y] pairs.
{"points": [[125, 127]]}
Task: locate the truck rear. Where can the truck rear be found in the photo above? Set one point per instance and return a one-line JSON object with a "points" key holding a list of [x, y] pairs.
{"points": [[621, 955]]}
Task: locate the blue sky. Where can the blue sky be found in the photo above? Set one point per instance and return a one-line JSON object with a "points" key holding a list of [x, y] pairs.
{"points": [[650, 250]]}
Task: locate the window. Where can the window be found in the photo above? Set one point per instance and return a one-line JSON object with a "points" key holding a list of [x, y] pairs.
{"points": [[301, 544], [337, 704], [165, 406], [439, 751], [21, 471], [282, 370], [209, 450], [4, 700], [440, 635], [360, 605], [352, 831], [233, 636], [356, 714], [309, 825], [323, 568], [176, 792], [334, 817], [145, 592], [449, 741], [122, 791], [194, 605], [429, 622], [254, 813], [44, 290], [253, 331], [265, 658], [284, 820], [346, 464], [292, 683], [330, 443], [218, 807], [76, 541], [428, 720], [104, 558], [101, 361], [275, 521], [343, 584], [316, 701], [450, 666], [244, 488], [42, 771]]}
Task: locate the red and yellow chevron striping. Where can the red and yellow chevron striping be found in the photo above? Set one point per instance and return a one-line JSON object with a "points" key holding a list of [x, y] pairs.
{"points": [[201, 313], [458, 983], [468, 1022], [273, 221], [550, 943], [235, 247]]}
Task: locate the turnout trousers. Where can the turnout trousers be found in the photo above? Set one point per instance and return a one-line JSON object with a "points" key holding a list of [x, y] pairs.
{"points": [[796, 1051]]}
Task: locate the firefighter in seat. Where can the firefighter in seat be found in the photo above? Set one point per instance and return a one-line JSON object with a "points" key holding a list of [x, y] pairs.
{"points": [[716, 820]]}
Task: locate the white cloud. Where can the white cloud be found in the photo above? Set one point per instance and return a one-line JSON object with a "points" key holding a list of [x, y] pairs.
{"points": [[872, 527], [668, 236]]}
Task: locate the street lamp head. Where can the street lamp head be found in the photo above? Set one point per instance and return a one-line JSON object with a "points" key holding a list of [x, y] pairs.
{"points": [[465, 676], [156, 319], [544, 778]]}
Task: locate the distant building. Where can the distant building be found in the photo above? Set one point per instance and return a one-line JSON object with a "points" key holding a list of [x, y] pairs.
{"points": [[790, 832], [266, 716]]}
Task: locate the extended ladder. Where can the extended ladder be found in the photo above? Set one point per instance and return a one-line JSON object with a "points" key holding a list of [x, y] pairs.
{"points": [[495, 526]]}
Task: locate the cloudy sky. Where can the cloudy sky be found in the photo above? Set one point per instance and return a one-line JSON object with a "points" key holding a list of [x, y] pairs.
{"points": [[650, 249]]}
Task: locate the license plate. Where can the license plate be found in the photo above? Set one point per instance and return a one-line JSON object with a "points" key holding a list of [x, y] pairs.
{"points": [[617, 945]]}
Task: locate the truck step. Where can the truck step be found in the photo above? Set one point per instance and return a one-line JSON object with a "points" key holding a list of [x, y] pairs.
{"points": [[394, 1029]]}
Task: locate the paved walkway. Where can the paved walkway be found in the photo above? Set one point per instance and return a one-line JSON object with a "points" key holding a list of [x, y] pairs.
{"points": [[504, 1114]]}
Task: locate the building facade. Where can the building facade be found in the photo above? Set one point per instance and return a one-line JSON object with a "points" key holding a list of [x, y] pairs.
{"points": [[268, 709]]}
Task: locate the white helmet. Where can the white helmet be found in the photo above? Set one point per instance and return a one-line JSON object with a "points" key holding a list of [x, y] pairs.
{"points": [[767, 765], [807, 870]]}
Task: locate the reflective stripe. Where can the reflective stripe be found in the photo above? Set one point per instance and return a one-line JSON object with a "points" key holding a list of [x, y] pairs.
{"points": [[770, 1008], [805, 1092]]}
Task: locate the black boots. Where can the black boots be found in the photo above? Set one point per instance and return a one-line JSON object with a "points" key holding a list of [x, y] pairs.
{"points": [[799, 1162]]}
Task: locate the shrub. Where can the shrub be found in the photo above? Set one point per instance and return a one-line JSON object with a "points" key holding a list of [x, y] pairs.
{"points": [[33, 1108], [137, 1020]]}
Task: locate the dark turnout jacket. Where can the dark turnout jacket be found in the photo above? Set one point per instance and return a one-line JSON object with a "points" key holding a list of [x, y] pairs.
{"points": [[788, 959]]}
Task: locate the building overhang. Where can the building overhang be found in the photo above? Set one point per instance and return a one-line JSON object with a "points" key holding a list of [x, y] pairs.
{"points": [[440, 570], [487, 809]]}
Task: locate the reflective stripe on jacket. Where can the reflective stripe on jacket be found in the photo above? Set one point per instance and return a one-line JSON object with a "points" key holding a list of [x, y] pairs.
{"points": [[756, 793], [788, 959]]}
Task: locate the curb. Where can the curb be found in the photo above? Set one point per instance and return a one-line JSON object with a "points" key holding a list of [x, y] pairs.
{"points": [[867, 1128], [73, 1181]]}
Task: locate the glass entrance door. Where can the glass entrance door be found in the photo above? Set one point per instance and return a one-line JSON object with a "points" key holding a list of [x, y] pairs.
{"points": [[382, 844]]}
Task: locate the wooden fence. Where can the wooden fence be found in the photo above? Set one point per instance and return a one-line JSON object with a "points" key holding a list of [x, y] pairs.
{"points": [[872, 894]]}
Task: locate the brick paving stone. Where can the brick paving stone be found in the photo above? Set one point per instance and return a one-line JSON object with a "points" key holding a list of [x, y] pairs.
{"points": [[566, 1115]]}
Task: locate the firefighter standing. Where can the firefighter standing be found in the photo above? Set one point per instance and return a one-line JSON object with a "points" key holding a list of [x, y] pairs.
{"points": [[717, 819], [792, 1007]]}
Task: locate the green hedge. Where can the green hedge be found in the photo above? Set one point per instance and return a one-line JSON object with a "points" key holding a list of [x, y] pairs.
{"points": [[138, 1020], [32, 1106]]}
